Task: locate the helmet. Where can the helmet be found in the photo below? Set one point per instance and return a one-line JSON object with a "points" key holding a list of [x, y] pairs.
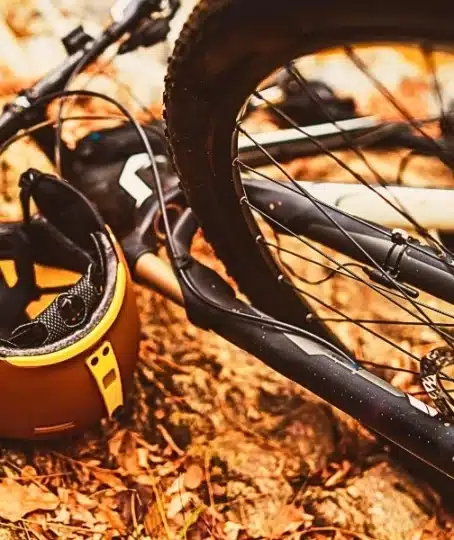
{"points": [[69, 326]]}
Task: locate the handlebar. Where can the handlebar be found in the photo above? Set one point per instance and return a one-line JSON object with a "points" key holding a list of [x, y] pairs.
{"points": [[20, 113]]}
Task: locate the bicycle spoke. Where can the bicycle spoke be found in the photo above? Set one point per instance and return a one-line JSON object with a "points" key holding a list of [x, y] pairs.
{"points": [[428, 54], [386, 93], [429, 323], [381, 321], [337, 272], [354, 321], [237, 161], [358, 177], [293, 70], [318, 250], [392, 368], [331, 271], [347, 235]]}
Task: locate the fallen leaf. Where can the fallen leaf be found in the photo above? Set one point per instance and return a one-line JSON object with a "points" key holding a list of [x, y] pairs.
{"points": [[178, 503], [112, 518], [417, 535], [176, 486], [116, 441], [142, 442], [403, 380], [28, 471], [145, 494], [17, 500], [232, 530], [85, 501], [82, 515], [193, 477], [142, 457], [60, 531], [146, 480], [338, 476], [153, 521], [92, 463], [217, 471], [128, 458], [156, 459], [219, 491], [427, 528], [108, 477], [288, 520], [62, 515], [9, 472]]}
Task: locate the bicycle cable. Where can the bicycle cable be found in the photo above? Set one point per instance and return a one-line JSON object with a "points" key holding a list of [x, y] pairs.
{"points": [[172, 251]]}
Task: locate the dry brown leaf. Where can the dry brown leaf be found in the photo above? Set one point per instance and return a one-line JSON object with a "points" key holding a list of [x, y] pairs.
{"points": [[116, 441], [146, 480], [218, 491], [9, 472], [143, 443], [156, 459], [142, 457], [92, 463], [17, 500], [128, 458], [85, 501], [28, 471], [232, 530], [425, 530], [417, 535], [193, 477], [178, 503], [153, 521], [63, 495], [82, 515], [337, 477], [112, 518], [62, 515], [288, 520], [176, 486], [109, 478]]}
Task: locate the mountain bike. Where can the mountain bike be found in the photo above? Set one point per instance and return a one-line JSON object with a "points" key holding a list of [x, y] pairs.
{"points": [[363, 230], [233, 62]]}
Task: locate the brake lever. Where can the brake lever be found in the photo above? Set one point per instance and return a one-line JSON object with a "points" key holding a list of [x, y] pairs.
{"points": [[124, 10], [149, 33]]}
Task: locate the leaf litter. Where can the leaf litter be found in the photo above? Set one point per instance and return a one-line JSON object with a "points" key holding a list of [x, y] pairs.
{"points": [[212, 445]]}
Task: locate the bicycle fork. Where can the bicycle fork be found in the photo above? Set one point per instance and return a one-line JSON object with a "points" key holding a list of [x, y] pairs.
{"points": [[298, 354]]}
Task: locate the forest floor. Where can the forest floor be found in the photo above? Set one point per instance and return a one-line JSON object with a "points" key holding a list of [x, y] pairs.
{"points": [[212, 445]]}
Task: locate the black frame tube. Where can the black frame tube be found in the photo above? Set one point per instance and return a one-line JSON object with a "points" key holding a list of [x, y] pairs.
{"points": [[320, 368], [409, 262]]}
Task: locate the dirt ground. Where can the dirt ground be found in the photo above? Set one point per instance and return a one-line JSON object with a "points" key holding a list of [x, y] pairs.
{"points": [[212, 445]]}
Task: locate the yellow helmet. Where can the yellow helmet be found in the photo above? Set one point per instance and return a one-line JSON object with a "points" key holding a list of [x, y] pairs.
{"points": [[67, 353]]}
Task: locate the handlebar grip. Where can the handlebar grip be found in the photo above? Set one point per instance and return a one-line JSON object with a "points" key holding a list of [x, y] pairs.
{"points": [[11, 121]]}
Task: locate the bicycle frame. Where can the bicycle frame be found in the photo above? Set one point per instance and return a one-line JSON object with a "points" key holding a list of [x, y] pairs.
{"points": [[211, 303], [318, 366], [292, 211]]}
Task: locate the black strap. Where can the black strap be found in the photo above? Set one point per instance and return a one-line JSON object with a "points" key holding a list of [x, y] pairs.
{"points": [[70, 213], [69, 311]]}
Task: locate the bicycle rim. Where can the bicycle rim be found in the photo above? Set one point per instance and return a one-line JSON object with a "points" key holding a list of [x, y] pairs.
{"points": [[383, 321]]}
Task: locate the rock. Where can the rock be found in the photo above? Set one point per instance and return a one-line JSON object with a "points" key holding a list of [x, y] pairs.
{"points": [[383, 503]]}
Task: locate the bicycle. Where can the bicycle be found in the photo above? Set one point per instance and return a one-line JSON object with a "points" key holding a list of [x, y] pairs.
{"points": [[281, 326], [207, 127]]}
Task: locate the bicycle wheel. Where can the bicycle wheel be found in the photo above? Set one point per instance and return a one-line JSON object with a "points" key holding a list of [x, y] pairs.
{"points": [[229, 51]]}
